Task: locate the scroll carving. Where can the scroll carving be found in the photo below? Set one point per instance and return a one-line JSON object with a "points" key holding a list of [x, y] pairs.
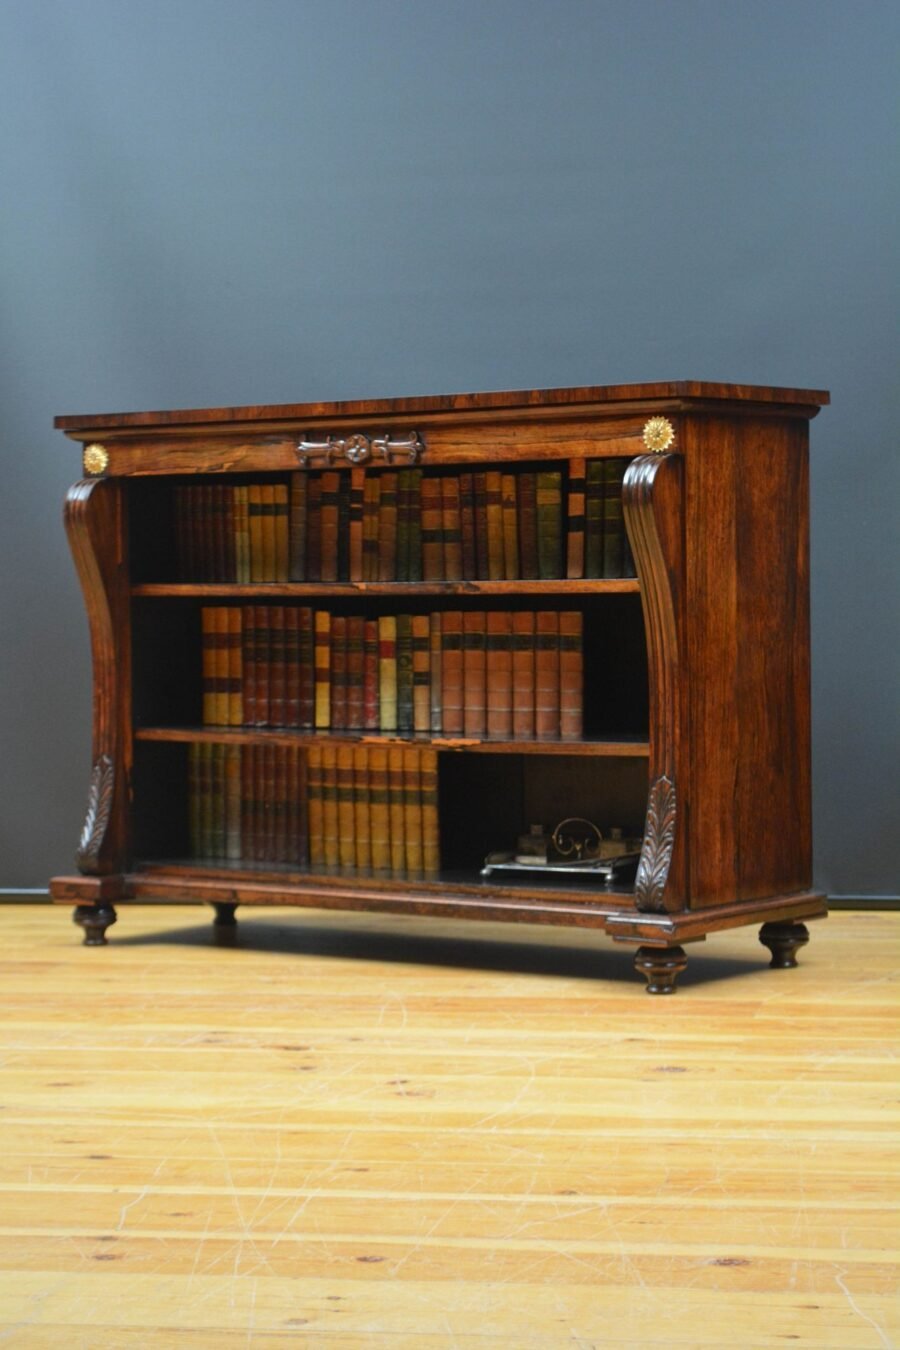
{"points": [[358, 448], [659, 840], [100, 799]]}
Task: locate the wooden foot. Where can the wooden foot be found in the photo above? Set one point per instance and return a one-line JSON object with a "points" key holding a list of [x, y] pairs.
{"points": [[224, 915], [94, 919], [783, 940], [660, 967]]}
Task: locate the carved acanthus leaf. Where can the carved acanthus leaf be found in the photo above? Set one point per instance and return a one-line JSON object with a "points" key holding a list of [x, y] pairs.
{"points": [[100, 798], [659, 840]]}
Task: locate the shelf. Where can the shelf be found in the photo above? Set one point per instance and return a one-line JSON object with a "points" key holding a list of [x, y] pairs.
{"points": [[306, 590], [625, 747]]}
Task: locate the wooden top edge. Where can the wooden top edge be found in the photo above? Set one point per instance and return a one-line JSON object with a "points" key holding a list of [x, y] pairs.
{"points": [[442, 403]]}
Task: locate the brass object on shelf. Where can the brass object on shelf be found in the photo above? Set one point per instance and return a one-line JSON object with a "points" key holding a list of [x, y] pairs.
{"points": [[659, 434], [95, 459]]}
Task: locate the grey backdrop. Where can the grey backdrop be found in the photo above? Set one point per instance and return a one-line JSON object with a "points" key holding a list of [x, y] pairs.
{"points": [[251, 201]]}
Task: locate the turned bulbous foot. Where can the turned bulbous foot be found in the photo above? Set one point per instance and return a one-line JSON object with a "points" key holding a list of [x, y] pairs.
{"points": [[94, 919], [660, 967], [783, 941]]}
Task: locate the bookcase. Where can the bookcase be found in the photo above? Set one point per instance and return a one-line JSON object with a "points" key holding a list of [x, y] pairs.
{"points": [[539, 656]]}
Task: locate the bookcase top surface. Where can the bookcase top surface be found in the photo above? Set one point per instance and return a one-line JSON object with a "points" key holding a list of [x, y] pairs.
{"points": [[804, 401]]}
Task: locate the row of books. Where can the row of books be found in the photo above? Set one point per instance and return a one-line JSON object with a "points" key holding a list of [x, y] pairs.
{"points": [[248, 802], [500, 674], [407, 525], [367, 808]]}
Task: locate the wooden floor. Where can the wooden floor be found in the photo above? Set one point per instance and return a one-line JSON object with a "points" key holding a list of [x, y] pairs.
{"points": [[357, 1131]]}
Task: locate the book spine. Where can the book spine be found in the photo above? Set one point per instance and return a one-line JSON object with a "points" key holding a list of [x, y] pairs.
{"points": [[281, 531], [474, 673], [412, 810], [370, 675], [452, 672], [219, 802], [338, 692], [575, 519], [432, 530], [280, 803], [271, 789], [343, 535], [346, 807], [248, 803], [482, 562], [220, 534], [499, 718], [467, 526], [355, 708], [314, 527], [371, 501], [396, 808], [451, 528], [206, 532], [269, 532], [292, 665], [526, 492], [330, 825], [328, 516], [435, 672], [306, 661], [494, 511], [262, 658], [428, 782], [277, 673], [379, 812], [208, 636], [357, 502], [421, 673], [221, 665], [571, 676], [387, 528], [230, 531], [404, 674], [297, 527], [549, 524], [235, 667], [403, 514], [546, 675], [322, 659], [523, 674], [613, 519], [315, 820], [361, 809], [510, 527], [593, 518], [387, 672], [248, 664], [415, 525], [232, 802]]}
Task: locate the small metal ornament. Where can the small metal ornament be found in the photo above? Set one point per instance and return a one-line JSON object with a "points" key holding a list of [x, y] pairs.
{"points": [[95, 459], [359, 448], [659, 435]]}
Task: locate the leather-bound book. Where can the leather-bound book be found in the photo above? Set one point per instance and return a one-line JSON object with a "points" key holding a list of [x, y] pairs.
{"points": [[241, 534], [370, 675], [296, 807], [292, 665], [307, 666], [232, 802], [255, 518], [263, 664], [451, 528], [593, 518], [357, 503], [571, 676], [248, 803], [467, 526], [235, 696], [269, 532], [297, 526], [269, 756], [355, 707], [314, 527], [195, 841], [219, 804], [315, 819], [479, 481], [546, 675], [277, 672], [322, 658], [371, 508], [387, 528], [218, 496], [629, 568], [526, 501], [523, 674], [511, 567], [412, 810], [229, 530], [414, 525], [432, 530], [421, 673], [549, 524], [613, 519], [428, 787], [280, 803], [330, 824], [435, 672], [362, 831], [338, 696], [387, 672], [499, 718], [404, 674], [346, 807], [248, 665], [575, 519], [222, 666], [281, 530], [208, 657], [328, 515], [343, 537], [397, 808], [493, 496], [474, 673], [379, 813], [452, 683], [403, 519]]}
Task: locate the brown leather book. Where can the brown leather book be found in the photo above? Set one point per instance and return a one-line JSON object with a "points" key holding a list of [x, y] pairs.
{"points": [[571, 679], [379, 813], [467, 526], [575, 519], [343, 540], [412, 810], [281, 531], [296, 812], [421, 673], [328, 515], [297, 526], [269, 532], [432, 530], [362, 833], [338, 695], [397, 808], [232, 802], [452, 684], [218, 499], [322, 658], [262, 660], [499, 718], [451, 528], [292, 665], [355, 708], [357, 504], [526, 499], [387, 672], [494, 511], [435, 672], [248, 664], [387, 528], [546, 675], [511, 568], [255, 519], [208, 659], [330, 823], [613, 519], [593, 518], [428, 788], [523, 674], [346, 807], [235, 696], [474, 673], [370, 675], [241, 534], [277, 672], [306, 661], [279, 803], [481, 526], [267, 798], [248, 803], [314, 527], [404, 511], [315, 818], [371, 508]]}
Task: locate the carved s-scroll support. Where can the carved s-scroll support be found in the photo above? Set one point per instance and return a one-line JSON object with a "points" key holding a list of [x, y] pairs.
{"points": [[653, 508], [95, 527]]}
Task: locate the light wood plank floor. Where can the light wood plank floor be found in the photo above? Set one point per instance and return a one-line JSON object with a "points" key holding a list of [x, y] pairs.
{"points": [[359, 1131]]}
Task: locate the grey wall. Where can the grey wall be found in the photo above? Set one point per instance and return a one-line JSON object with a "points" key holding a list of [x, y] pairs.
{"points": [[227, 201]]}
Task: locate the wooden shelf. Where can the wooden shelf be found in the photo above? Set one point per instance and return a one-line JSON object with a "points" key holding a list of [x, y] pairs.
{"points": [[631, 747], [299, 590]]}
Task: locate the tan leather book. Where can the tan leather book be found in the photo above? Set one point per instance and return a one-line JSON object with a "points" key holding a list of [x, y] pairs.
{"points": [[494, 511], [412, 810], [379, 812], [474, 673], [421, 673], [346, 805], [315, 817], [362, 833], [387, 672], [397, 808], [328, 516], [523, 674], [428, 789], [451, 528], [357, 503], [387, 528], [452, 684], [511, 568], [281, 531], [546, 675], [499, 717], [571, 678], [575, 518], [208, 637], [322, 660]]}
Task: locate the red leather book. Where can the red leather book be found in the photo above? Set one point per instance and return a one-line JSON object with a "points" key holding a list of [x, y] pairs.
{"points": [[343, 538], [306, 661], [229, 527], [269, 533], [371, 508], [523, 674], [241, 534], [328, 515], [452, 684], [571, 678], [499, 718], [421, 673], [297, 526], [467, 526], [451, 528], [481, 526], [357, 504], [277, 672], [511, 568], [262, 663], [575, 518], [322, 658], [404, 508], [292, 665], [474, 673], [494, 511], [255, 507], [546, 675], [370, 675], [355, 707], [526, 500], [248, 664], [338, 696]]}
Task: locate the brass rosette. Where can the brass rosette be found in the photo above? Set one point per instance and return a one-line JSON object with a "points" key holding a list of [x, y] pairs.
{"points": [[95, 459], [659, 435]]}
